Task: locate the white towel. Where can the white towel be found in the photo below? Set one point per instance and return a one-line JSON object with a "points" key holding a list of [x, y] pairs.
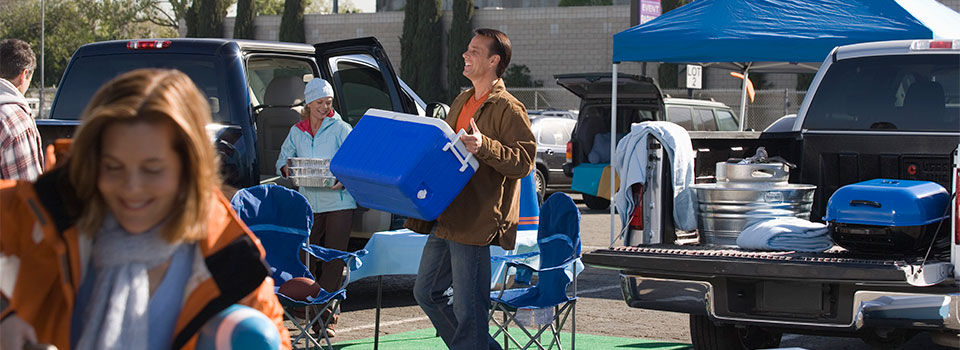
{"points": [[630, 162], [785, 233]]}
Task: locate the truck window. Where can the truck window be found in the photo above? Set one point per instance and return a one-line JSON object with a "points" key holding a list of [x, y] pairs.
{"points": [[726, 121], [87, 74], [705, 120], [261, 70], [276, 92], [919, 92], [553, 134], [680, 115], [361, 86]]}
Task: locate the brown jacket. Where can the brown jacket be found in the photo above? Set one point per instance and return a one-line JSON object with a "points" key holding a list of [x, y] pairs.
{"points": [[42, 256], [487, 210]]}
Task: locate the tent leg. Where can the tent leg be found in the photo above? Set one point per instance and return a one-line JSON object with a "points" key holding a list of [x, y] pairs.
{"points": [[613, 148]]}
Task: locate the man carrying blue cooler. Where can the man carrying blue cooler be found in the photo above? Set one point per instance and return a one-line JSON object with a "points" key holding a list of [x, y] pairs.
{"points": [[486, 212]]}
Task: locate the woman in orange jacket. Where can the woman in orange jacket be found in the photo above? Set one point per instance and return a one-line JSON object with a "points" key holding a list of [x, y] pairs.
{"points": [[130, 244]]}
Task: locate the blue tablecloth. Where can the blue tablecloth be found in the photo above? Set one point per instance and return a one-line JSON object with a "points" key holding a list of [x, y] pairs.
{"points": [[398, 253]]}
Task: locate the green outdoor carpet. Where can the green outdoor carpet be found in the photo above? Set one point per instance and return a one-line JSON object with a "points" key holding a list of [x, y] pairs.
{"points": [[427, 339]]}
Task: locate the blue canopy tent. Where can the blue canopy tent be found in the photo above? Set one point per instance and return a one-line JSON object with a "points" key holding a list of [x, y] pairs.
{"points": [[773, 35]]}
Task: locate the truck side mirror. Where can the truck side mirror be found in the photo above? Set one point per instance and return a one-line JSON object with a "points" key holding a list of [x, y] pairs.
{"points": [[437, 110]]}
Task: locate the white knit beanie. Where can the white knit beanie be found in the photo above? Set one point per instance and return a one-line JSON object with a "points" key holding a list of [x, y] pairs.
{"points": [[317, 89]]}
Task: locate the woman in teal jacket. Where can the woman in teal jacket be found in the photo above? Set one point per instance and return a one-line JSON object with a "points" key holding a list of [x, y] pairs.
{"points": [[319, 135]]}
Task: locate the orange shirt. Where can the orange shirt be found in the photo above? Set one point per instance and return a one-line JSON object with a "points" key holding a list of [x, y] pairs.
{"points": [[469, 109]]}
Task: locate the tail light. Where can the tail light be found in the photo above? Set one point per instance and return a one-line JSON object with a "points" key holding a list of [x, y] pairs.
{"points": [[925, 45], [956, 207], [636, 218], [569, 151], [148, 44]]}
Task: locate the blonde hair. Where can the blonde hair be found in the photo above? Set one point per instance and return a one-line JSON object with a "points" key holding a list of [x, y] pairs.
{"points": [[305, 110], [154, 96]]}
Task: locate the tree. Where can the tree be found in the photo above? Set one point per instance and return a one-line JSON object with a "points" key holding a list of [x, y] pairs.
{"points": [[667, 72], [461, 32], [408, 47], [72, 23], [161, 16], [565, 3], [519, 76], [243, 22], [760, 81], [804, 80], [326, 6], [268, 7], [207, 18], [421, 57], [291, 24]]}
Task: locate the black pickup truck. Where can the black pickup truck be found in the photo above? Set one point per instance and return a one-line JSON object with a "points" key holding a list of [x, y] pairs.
{"points": [[255, 91], [874, 110]]}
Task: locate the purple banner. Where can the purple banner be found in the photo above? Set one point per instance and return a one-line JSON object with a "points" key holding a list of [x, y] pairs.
{"points": [[649, 9]]}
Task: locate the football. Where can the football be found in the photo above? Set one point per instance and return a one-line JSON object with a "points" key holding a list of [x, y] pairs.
{"points": [[299, 288], [238, 327]]}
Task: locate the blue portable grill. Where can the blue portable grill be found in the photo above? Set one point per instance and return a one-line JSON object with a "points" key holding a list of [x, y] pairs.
{"points": [[403, 164], [887, 216]]}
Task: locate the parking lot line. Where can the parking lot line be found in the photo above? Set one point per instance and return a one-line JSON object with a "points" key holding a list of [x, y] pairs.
{"points": [[382, 324]]}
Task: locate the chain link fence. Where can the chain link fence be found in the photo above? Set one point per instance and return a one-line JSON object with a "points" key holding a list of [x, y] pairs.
{"points": [[767, 107], [546, 98]]}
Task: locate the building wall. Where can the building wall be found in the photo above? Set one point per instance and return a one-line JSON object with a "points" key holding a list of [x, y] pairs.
{"points": [[548, 40]]}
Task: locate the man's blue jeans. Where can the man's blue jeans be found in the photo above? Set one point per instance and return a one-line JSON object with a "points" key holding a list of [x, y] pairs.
{"points": [[443, 264]]}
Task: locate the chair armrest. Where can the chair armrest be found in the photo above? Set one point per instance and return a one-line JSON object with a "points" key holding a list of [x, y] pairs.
{"points": [[561, 266], [352, 259], [514, 257]]}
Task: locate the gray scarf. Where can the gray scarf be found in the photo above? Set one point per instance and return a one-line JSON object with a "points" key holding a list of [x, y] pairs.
{"points": [[116, 314]]}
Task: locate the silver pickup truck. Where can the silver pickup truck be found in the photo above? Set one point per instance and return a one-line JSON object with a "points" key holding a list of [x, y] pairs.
{"points": [[874, 110]]}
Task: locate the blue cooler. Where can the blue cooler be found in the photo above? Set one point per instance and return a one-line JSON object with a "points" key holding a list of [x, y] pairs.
{"points": [[403, 164], [887, 216]]}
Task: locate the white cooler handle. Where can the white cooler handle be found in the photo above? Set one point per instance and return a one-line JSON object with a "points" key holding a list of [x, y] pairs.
{"points": [[464, 161]]}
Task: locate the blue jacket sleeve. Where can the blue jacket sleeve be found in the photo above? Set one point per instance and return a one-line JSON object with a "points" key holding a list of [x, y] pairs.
{"points": [[287, 150]]}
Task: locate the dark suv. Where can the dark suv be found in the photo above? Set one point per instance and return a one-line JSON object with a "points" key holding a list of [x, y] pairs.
{"points": [[552, 135]]}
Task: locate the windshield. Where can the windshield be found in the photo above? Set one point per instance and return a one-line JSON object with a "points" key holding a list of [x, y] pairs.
{"points": [[909, 92], [87, 74]]}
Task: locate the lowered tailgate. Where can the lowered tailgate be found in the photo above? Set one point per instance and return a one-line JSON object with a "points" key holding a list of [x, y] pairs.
{"points": [[818, 291]]}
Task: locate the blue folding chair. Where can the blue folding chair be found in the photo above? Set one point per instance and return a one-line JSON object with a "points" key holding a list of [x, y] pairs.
{"points": [[281, 218], [559, 240]]}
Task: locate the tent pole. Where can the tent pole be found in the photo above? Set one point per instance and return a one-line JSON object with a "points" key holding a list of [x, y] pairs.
{"points": [[743, 98], [613, 145]]}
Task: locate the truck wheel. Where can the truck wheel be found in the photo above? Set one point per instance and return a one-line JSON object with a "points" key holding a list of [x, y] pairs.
{"points": [[706, 335], [886, 338], [596, 203]]}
